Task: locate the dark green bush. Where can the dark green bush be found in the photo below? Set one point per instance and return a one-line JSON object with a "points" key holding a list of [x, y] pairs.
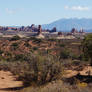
{"points": [[64, 54], [38, 69], [15, 38], [73, 56], [19, 57], [52, 39], [36, 40], [35, 48], [15, 45], [27, 44], [1, 52], [62, 45]]}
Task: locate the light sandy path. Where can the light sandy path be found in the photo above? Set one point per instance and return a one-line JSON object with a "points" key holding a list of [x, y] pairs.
{"points": [[7, 80]]}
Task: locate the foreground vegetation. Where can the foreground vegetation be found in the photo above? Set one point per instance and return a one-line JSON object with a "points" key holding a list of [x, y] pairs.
{"points": [[41, 63]]}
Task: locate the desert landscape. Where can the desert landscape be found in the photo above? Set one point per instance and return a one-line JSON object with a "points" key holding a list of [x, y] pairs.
{"points": [[28, 63], [46, 46]]}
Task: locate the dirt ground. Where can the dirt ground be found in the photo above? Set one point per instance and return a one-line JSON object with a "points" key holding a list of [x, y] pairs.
{"points": [[8, 82], [87, 70]]}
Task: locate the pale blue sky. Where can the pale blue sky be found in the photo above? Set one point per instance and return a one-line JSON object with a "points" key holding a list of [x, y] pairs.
{"points": [[27, 12]]}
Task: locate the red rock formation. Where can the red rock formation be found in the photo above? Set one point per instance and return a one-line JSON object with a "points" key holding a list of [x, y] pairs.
{"points": [[39, 30]]}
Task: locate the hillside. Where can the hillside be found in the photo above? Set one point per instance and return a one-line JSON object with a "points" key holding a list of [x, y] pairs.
{"points": [[68, 24]]}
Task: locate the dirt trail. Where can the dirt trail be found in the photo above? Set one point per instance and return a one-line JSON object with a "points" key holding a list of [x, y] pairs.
{"points": [[8, 82]]}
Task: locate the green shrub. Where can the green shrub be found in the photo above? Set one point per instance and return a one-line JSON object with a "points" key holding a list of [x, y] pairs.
{"points": [[35, 48], [39, 69], [62, 45], [19, 57], [73, 56], [15, 38], [52, 39], [1, 52], [87, 47], [15, 45], [27, 44], [36, 40], [31, 38], [64, 54]]}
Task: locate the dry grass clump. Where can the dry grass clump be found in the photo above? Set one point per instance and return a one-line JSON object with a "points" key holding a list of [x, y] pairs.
{"points": [[40, 70], [58, 86], [36, 69]]}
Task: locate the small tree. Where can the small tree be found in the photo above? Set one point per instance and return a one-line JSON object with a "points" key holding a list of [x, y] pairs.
{"points": [[87, 47]]}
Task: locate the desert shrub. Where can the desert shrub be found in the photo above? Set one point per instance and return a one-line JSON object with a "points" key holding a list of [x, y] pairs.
{"points": [[27, 44], [62, 45], [87, 47], [58, 86], [74, 56], [39, 69], [4, 65], [8, 56], [19, 57], [35, 48], [82, 57], [14, 38], [31, 38], [1, 52], [64, 54], [2, 58], [48, 51], [8, 66], [76, 62], [15, 45], [36, 40], [52, 39]]}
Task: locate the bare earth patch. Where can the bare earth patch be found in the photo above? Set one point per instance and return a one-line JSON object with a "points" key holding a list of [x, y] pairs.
{"points": [[8, 81], [87, 70]]}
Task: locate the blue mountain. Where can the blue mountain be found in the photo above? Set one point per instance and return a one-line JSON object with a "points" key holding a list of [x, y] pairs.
{"points": [[68, 24]]}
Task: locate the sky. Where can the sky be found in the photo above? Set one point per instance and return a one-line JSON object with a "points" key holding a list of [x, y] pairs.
{"points": [[27, 12]]}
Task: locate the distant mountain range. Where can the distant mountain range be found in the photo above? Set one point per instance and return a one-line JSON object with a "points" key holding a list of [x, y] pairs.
{"points": [[68, 24]]}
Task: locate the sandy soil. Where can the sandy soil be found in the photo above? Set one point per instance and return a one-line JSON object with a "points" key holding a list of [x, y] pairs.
{"points": [[87, 70], [8, 82]]}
